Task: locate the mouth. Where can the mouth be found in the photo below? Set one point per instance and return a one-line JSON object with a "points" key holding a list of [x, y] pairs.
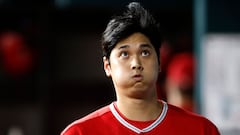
{"points": [[138, 77]]}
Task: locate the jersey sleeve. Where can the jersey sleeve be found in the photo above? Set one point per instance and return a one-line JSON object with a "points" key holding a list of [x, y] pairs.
{"points": [[211, 129], [72, 130]]}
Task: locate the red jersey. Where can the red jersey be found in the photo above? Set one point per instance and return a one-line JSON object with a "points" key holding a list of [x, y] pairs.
{"points": [[172, 121]]}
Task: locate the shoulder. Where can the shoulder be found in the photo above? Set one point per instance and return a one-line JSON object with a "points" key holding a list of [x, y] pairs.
{"points": [[191, 119], [76, 126], [179, 113]]}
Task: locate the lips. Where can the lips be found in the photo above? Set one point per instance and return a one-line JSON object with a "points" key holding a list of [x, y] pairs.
{"points": [[137, 77]]}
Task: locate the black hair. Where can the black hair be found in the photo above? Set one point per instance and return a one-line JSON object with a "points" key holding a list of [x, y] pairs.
{"points": [[134, 19]]}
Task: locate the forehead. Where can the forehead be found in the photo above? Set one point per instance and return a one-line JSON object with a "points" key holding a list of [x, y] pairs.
{"points": [[134, 39]]}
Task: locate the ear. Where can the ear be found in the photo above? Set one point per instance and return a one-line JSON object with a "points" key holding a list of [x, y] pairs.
{"points": [[107, 66]]}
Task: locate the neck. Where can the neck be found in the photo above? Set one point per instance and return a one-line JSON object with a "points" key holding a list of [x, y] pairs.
{"points": [[139, 109]]}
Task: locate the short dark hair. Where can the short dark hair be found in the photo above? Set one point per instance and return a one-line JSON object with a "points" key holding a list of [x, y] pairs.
{"points": [[134, 19]]}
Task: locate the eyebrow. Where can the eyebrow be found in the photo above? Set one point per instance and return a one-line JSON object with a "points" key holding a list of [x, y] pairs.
{"points": [[141, 46], [123, 47]]}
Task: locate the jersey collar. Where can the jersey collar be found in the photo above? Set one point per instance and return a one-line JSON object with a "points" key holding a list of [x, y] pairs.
{"points": [[135, 129]]}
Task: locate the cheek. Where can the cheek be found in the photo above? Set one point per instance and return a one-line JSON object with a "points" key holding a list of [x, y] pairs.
{"points": [[118, 71], [119, 78], [153, 70]]}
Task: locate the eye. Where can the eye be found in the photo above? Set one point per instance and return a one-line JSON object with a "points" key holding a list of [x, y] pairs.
{"points": [[124, 54], [145, 53]]}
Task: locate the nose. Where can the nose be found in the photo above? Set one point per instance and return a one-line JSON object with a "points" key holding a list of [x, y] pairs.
{"points": [[136, 64], [138, 67]]}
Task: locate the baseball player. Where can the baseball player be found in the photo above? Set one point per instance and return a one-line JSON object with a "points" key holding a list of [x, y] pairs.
{"points": [[130, 47]]}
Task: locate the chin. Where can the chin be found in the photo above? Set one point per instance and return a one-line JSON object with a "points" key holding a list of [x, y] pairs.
{"points": [[138, 93]]}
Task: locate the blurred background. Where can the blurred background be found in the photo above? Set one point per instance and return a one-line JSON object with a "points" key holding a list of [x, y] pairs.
{"points": [[51, 70]]}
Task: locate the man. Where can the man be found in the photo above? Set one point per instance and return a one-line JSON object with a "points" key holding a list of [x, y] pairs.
{"points": [[180, 81], [130, 46]]}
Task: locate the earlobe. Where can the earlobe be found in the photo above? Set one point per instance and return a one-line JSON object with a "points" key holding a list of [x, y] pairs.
{"points": [[107, 67]]}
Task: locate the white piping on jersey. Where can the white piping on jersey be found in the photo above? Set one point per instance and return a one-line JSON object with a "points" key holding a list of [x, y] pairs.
{"points": [[135, 129]]}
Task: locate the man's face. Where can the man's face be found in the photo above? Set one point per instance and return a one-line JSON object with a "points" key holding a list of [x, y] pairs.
{"points": [[133, 65]]}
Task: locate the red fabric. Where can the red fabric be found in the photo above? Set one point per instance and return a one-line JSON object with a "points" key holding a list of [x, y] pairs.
{"points": [[181, 70], [138, 124], [176, 122]]}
